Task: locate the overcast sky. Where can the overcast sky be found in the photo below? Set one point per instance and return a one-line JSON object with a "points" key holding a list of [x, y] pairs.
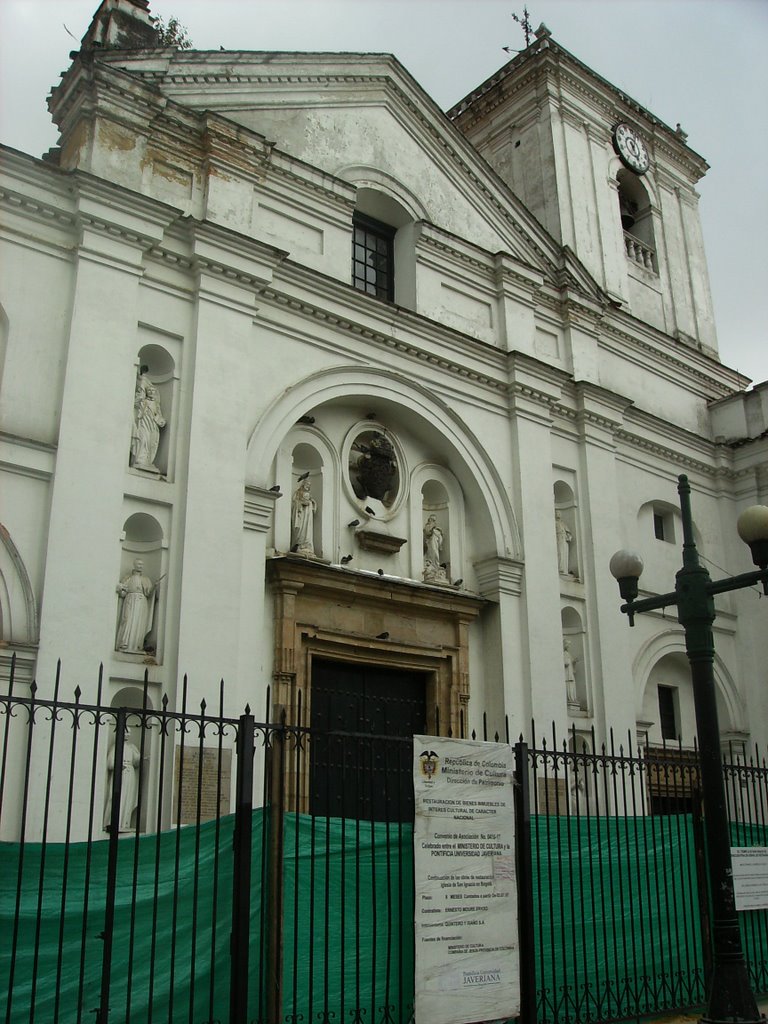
{"points": [[698, 62]]}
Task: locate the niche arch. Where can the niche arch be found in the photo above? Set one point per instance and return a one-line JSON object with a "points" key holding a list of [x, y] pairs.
{"points": [[435, 491], [416, 408], [636, 212], [574, 634], [566, 507], [19, 622], [156, 366], [306, 449], [142, 541], [664, 654], [136, 762]]}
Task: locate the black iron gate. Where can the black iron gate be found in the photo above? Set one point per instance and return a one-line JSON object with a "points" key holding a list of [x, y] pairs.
{"points": [[167, 865]]}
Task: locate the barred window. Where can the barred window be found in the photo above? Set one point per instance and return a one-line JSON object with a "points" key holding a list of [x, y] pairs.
{"points": [[372, 257]]}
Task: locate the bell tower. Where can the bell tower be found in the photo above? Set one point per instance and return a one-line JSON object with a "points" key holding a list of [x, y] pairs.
{"points": [[605, 177]]}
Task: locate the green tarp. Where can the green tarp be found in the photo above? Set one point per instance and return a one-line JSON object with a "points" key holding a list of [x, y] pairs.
{"points": [[347, 890], [348, 942], [617, 917], [616, 922], [167, 888]]}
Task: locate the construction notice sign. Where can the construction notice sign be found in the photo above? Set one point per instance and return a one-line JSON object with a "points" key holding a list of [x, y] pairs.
{"points": [[750, 877], [467, 965]]}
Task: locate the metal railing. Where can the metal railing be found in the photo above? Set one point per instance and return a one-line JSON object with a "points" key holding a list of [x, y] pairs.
{"points": [[165, 865]]}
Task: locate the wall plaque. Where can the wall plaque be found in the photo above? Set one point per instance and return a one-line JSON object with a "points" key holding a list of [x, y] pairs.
{"points": [[204, 772]]}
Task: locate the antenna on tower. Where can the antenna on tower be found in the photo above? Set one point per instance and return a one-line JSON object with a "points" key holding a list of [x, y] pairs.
{"points": [[525, 24]]}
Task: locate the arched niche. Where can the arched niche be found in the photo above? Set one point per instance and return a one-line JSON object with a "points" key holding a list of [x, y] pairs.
{"points": [[139, 591], [566, 529], [305, 449], [134, 802], [659, 542], [636, 213], [574, 653], [437, 496], [155, 378], [667, 707], [307, 506], [18, 608]]}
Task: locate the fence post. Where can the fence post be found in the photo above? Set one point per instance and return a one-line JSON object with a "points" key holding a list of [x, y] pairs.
{"points": [[276, 815], [702, 885], [241, 872], [102, 1013], [524, 866]]}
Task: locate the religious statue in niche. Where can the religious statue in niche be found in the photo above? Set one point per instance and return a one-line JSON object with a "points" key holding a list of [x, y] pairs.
{"points": [[569, 667], [434, 571], [373, 467], [129, 785], [303, 509], [148, 421], [137, 595], [564, 538]]}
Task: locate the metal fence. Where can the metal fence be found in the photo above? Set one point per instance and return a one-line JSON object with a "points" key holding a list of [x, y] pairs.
{"points": [[164, 865]]}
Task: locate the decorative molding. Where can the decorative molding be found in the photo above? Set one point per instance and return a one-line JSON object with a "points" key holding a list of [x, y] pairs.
{"points": [[259, 508], [384, 543], [329, 611], [31, 620], [387, 340], [37, 210], [498, 576]]}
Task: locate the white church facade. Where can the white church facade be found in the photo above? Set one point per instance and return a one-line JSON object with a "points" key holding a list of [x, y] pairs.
{"points": [[299, 371]]}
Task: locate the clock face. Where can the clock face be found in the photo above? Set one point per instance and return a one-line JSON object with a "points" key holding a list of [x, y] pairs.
{"points": [[631, 148]]}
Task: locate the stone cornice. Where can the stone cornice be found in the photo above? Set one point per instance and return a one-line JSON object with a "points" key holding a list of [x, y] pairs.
{"points": [[384, 323], [362, 585], [546, 57], [399, 344], [27, 457], [498, 267], [36, 209], [684, 362], [672, 456], [599, 405]]}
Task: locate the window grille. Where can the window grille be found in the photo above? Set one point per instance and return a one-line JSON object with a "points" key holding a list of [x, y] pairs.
{"points": [[373, 268]]}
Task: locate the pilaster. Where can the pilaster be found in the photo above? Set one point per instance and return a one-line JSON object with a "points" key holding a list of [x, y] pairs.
{"points": [[534, 392], [83, 555], [229, 274], [599, 415]]}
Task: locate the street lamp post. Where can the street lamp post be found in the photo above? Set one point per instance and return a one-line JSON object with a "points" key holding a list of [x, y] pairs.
{"points": [[731, 999]]}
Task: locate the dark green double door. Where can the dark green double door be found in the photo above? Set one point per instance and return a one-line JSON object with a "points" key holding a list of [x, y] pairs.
{"points": [[361, 754]]}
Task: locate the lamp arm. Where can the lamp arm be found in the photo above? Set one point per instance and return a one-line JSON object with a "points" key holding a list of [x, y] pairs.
{"points": [[745, 579], [649, 604]]}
